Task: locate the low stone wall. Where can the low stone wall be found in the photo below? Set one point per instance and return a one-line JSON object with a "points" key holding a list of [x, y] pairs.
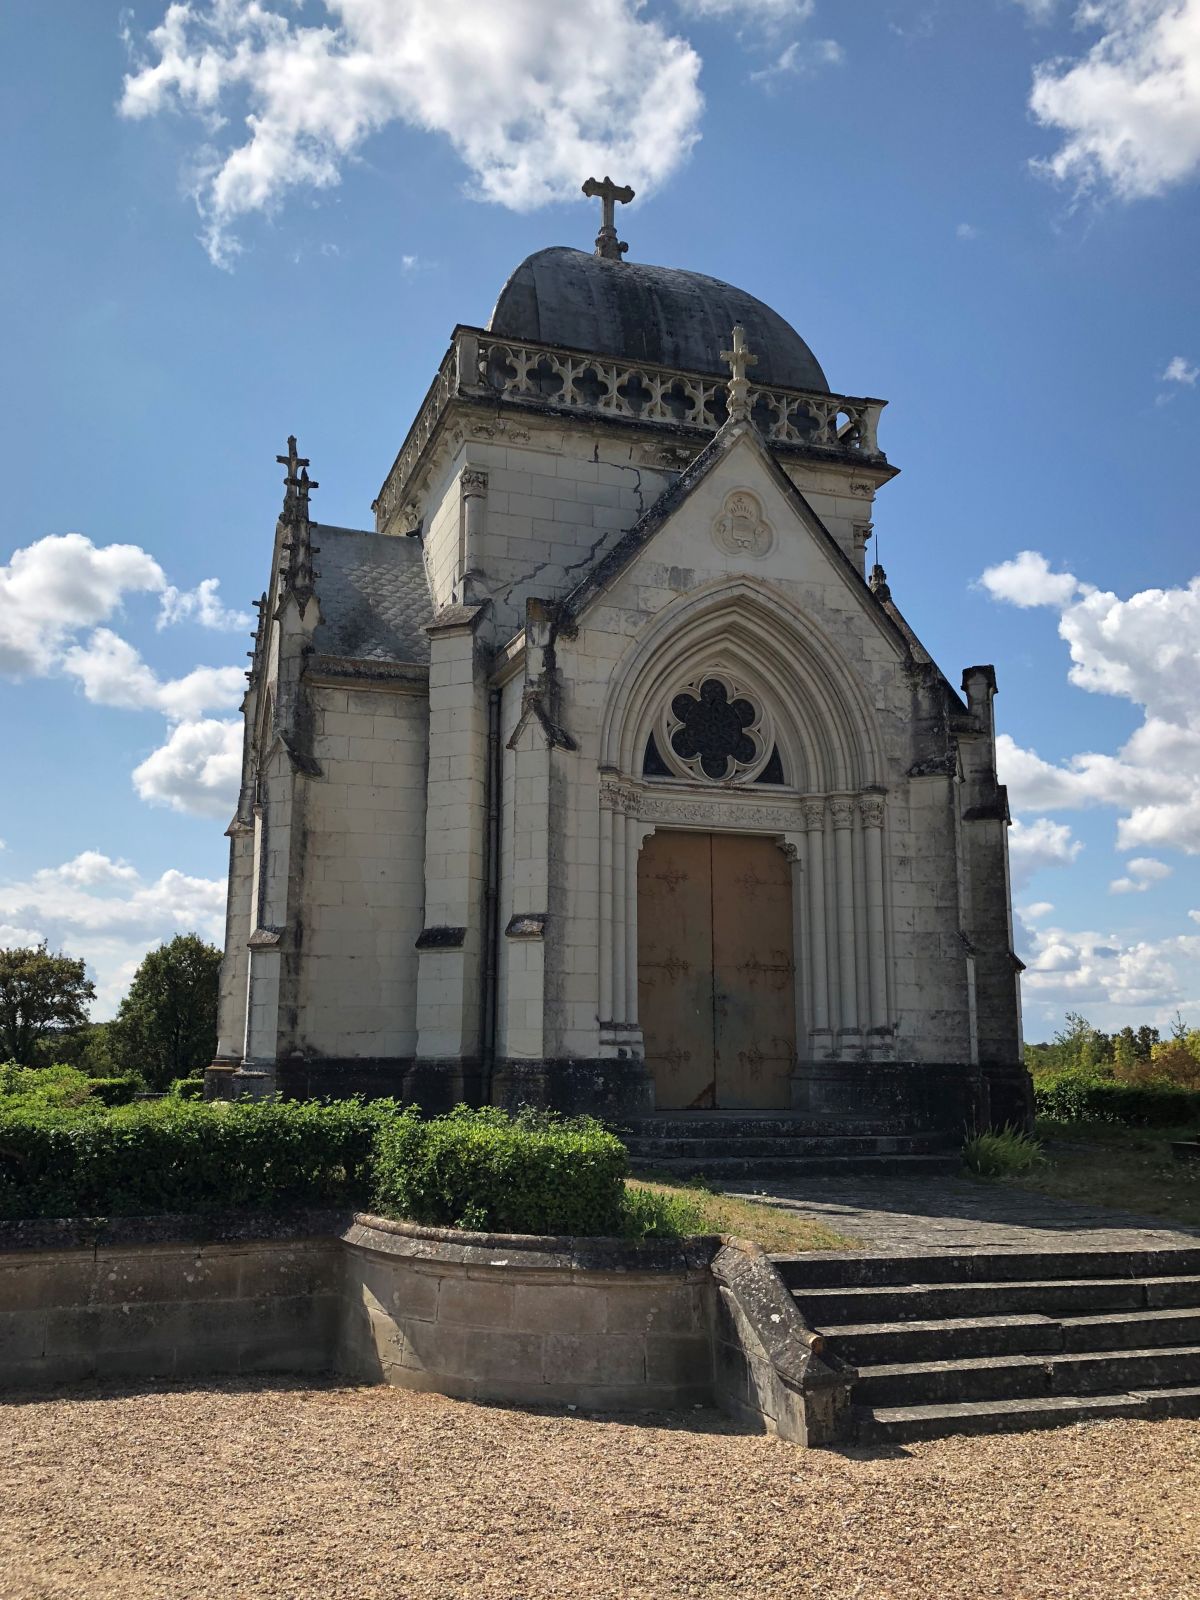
{"points": [[601, 1324], [166, 1297], [595, 1323]]}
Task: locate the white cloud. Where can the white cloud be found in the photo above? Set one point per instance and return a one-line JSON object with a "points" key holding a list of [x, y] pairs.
{"points": [[1026, 580], [54, 587], [1074, 968], [202, 604], [1037, 844], [1180, 371], [800, 57], [1036, 911], [533, 97], [966, 230], [1144, 871], [104, 911], [1039, 11], [1145, 649], [1129, 109], [113, 674], [197, 770]]}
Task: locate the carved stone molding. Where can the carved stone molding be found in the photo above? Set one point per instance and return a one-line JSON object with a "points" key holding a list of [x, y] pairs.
{"points": [[741, 529], [865, 491], [474, 481], [841, 809], [814, 813], [668, 808], [870, 809]]}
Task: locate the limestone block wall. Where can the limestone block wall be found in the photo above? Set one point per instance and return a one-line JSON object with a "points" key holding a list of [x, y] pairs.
{"points": [[550, 503], [135, 1299], [363, 872], [527, 1321]]}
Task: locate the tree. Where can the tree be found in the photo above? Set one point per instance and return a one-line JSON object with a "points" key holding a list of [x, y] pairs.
{"points": [[39, 992], [166, 1026]]}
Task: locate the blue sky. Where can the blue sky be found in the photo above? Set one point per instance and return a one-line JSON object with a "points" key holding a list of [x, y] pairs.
{"points": [[983, 210]]}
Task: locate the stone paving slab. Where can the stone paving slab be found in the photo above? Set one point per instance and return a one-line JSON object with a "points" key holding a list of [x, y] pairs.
{"points": [[901, 1216]]}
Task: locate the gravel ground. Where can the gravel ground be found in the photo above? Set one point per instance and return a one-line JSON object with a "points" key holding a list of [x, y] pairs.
{"points": [[312, 1489]]}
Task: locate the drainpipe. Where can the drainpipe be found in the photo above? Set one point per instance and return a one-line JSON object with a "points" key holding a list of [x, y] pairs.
{"points": [[491, 902]]}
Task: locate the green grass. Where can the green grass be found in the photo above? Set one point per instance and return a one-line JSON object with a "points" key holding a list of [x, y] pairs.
{"points": [[1001, 1154], [772, 1227], [1129, 1169]]}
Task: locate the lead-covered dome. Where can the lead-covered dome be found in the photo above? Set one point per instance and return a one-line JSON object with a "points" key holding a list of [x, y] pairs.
{"points": [[659, 315]]}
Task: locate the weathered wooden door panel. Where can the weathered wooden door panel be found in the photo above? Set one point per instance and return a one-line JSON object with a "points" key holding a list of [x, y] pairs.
{"points": [[675, 970], [754, 975]]}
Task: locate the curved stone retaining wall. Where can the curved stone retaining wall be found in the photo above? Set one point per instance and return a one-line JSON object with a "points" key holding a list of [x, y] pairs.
{"points": [[594, 1323]]}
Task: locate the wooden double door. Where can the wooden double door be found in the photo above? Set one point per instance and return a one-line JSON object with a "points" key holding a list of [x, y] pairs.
{"points": [[716, 971]]}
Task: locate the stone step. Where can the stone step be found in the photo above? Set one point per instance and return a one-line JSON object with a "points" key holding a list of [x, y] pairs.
{"points": [[768, 1125], [1018, 1377], [955, 1338], [990, 1267], [951, 1338], [906, 1424], [1046, 1297], [737, 1167], [753, 1146], [1183, 1401]]}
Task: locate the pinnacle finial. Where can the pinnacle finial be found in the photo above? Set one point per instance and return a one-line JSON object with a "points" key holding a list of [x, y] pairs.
{"points": [[609, 194], [879, 584], [738, 359], [297, 483]]}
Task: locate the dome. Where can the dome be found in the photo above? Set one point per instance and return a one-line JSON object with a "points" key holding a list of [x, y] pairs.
{"points": [[654, 314]]}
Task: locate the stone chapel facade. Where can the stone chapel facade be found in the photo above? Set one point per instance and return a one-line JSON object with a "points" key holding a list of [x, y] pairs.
{"points": [[599, 774]]}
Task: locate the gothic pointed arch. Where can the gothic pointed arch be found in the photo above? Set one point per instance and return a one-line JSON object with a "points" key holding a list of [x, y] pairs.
{"points": [[753, 641]]}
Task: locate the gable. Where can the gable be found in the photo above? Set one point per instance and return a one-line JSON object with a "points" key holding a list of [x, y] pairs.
{"points": [[734, 514]]}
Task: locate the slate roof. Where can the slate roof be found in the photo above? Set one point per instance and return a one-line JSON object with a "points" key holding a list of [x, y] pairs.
{"points": [[374, 596], [656, 314]]}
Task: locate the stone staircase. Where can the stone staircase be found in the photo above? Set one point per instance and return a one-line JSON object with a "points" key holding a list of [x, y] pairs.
{"points": [[720, 1145], [999, 1341]]}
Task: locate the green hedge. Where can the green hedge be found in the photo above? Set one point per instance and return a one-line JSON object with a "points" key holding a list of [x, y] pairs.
{"points": [[176, 1155], [187, 1089], [115, 1091], [487, 1171], [1072, 1097]]}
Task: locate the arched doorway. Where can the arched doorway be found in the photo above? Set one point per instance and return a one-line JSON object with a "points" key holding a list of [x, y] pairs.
{"points": [[716, 970]]}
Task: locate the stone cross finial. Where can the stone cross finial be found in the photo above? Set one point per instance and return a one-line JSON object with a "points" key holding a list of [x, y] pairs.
{"points": [[738, 359], [297, 483], [609, 194]]}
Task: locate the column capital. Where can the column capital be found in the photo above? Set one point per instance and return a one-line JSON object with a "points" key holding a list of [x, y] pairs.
{"points": [[841, 809], [474, 481], [870, 809], [814, 813]]}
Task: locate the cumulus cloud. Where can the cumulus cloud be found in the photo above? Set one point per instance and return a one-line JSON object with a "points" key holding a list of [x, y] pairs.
{"points": [[1067, 968], [1178, 370], [1037, 844], [533, 97], [1144, 871], [197, 770], [1036, 911], [58, 585], [202, 604], [106, 912], [1128, 110], [1026, 580], [1145, 649], [54, 590]]}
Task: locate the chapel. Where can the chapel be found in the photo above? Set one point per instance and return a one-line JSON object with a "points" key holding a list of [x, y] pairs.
{"points": [[599, 773]]}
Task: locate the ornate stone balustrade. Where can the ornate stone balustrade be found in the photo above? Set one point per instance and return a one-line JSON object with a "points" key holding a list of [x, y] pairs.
{"points": [[483, 367]]}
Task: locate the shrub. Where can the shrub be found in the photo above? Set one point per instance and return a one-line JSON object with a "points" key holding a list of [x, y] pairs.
{"points": [[488, 1171], [172, 1155], [187, 1089], [115, 1091], [1075, 1097], [998, 1155]]}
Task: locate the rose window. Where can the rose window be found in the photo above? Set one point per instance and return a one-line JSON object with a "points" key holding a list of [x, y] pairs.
{"points": [[713, 728]]}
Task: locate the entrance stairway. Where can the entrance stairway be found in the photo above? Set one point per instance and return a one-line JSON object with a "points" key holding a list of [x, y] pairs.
{"points": [[990, 1342], [725, 1144]]}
